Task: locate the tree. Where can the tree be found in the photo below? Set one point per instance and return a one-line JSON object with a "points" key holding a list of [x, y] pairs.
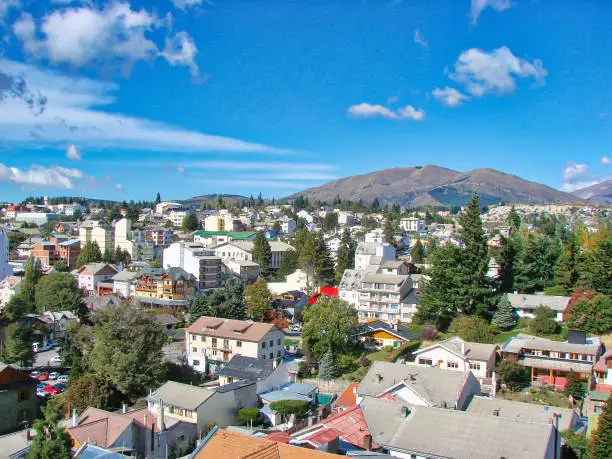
{"points": [[260, 201], [276, 227], [600, 446], [330, 221], [59, 292], [388, 231], [107, 257], [289, 407], [33, 273], [535, 268], [576, 445], [417, 255], [50, 440], [249, 414], [89, 390], [345, 257], [288, 264], [90, 253], [262, 253], [258, 299], [323, 264], [473, 328], [566, 271], [157, 198], [127, 350], [327, 367], [18, 345], [595, 266], [60, 266], [589, 312], [513, 220], [329, 325], [505, 315], [544, 321], [190, 223], [574, 388], [227, 303], [513, 375]]}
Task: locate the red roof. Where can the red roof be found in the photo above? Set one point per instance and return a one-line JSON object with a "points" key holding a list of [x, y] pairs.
{"points": [[327, 291], [282, 437], [348, 398]]}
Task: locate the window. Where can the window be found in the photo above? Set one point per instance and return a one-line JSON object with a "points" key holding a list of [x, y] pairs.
{"points": [[263, 345], [238, 343], [194, 349], [193, 337], [196, 363], [474, 366], [203, 339], [214, 352], [278, 353], [271, 355], [23, 395], [263, 357], [278, 342], [271, 342], [423, 361], [226, 343], [452, 364], [214, 342]]}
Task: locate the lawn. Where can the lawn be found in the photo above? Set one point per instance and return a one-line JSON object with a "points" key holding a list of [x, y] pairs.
{"points": [[551, 398], [377, 356]]}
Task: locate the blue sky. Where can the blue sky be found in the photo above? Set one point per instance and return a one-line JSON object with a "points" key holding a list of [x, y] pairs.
{"points": [[121, 99]]}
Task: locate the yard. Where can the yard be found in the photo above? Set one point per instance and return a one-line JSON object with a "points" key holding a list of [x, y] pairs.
{"points": [[549, 397]]}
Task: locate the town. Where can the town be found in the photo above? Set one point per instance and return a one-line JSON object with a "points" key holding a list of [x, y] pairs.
{"points": [[158, 329]]}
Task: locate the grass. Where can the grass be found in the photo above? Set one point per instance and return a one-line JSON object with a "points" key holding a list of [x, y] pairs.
{"points": [[377, 356], [551, 398], [359, 373]]}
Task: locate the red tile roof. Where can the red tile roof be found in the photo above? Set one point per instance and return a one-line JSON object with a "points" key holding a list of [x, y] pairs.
{"points": [[348, 398], [327, 291]]}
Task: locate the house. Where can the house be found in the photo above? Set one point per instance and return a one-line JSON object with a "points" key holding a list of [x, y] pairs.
{"points": [[419, 385], [346, 219], [60, 321], [9, 287], [600, 385], [57, 248], [268, 374], [290, 391], [306, 216], [124, 283], [201, 263], [93, 451], [90, 275], [291, 303], [167, 321], [243, 250], [525, 304], [139, 432], [245, 271], [17, 444], [221, 443], [165, 287], [459, 355], [212, 238], [346, 432], [550, 361], [421, 432], [201, 406], [222, 222], [211, 342], [37, 218], [412, 224], [295, 281], [18, 401], [13, 209], [372, 253], [330, 292], [378, 334], [347, 399]]}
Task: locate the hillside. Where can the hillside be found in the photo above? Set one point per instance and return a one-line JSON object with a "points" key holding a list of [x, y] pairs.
{"points": [[600, 193], [197, 201], [434, 185]]}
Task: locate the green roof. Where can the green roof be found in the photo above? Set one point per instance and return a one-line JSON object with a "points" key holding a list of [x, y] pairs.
{"points": [[235, 235], [600, 396]]}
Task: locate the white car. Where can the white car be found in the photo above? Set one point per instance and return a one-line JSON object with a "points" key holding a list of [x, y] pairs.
{"points": [[56, 359], [63, 379], [54, 375]]}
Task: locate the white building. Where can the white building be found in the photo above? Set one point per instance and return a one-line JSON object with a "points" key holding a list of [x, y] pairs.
{"points": [[306, 216], [5, 268], [288, 226], [166, 206], [295, 281], [346, 219], [412, 224], [196, 260], [38, 218], [243, 250], [372, 253], [9, 287], [176, 216], [222, 222]]}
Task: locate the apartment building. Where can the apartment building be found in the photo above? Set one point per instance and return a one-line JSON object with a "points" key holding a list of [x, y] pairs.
{"points": [[5, 267], [57, 247], [212, 238], [211, 342], [243, 250], [197, 261], [412, 224], [171, 286], [222, 222], [160, 236], [372, 253]]}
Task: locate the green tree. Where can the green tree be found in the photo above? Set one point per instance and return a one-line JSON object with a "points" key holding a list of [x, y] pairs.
{"points": [[90, 253], [89, 390], [288, 264], [249, 414], [595, 266], [262, 253], [329, 325], [18, 345], [330, 221], [566, 271], [33, 273], [600, 446], [75, 348], [345, 257], [576, 445], [513, 375], [535, 268], [60, 266], [505, 315], [258, 299], [589, 312], [513, 220], [260, 201], [227, 303], [107, 257], [289, 407], [190, 223], [127, 349], [50, 440], [328, 369], [544, 321], [324, 265], [388, 231], [574, 387], [276, 227], [157, 198], [473, 328], [59, 292], [417, 256]]}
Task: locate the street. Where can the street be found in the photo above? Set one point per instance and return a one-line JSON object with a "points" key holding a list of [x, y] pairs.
{"points": [[43, 359]]}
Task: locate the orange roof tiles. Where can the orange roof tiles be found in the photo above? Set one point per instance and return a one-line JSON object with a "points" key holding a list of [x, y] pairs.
{"points": [[348, 398]]}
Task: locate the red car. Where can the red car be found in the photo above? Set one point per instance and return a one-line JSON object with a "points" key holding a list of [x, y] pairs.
{"points": [[43, 376], [52, 390]]}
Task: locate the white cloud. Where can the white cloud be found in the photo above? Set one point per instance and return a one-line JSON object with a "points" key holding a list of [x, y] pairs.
{"points": [[54, 176], [72, 152], [365, 110], [184, 4], [6, 5], [73, 114], [574, 171], [571, 187], [419, 39], [119, 187], [449, 96], [111, 35], [477, 6], [605, 160], [181, 171], [494, 72]]}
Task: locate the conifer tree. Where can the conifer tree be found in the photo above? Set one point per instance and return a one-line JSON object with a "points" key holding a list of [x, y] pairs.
{"points": [[345, 257], [417, 256], [600, 445], [327, 367], [262, 253], [566, 272], [90, 253], [505, 316]]}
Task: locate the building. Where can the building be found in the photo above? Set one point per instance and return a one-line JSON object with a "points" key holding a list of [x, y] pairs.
{"points": [[160, 236], [9, 287], [164, 287], [222, 222], [420, 432], [124, 283], [372, 253], [5, 267], [295, 281], [419, 385], [103, 236], [267, 374], [197, 261], [459, 355], [60, 321], [245, 271], [211, 342], [57, 248], [13, 209], [167, 206], [213, 238], [243, 250], [412, 224], [526, 304], [37, 218], [18, 401], [290, 391], [89, 276], [550, 361], [346, 219], [378, 334]]}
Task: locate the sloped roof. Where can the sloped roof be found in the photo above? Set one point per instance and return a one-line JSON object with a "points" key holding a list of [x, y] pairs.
{"points": [[99, 427], [244, 330], [348, 398], [250, 368], [402, 331], [523, 341], [182, 395], [466, 349], [526, 301]]}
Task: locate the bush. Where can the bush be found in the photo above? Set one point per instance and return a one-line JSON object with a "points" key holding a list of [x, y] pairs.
{"points": [[346, 362], [513, 375], [429, 332], [289, 407], [388, 348], [365, 362], [249, 414], [403, 350], [473, 329], [544, 322]]}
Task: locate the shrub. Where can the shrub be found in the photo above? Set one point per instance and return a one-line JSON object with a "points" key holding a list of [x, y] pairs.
{"points": [[388, 348], [513, 375], [403, 350], [289, 407], [544, 322], [248, 413], [365, 362], [429, 332], [346, 362]]}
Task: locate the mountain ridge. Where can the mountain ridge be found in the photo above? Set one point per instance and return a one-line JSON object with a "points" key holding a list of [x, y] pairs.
{"points": [[600, 193]]}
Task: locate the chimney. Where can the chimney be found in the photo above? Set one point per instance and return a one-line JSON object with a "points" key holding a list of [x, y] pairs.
{"points": [[378, 378], [124, 408], [367, 442], [75, 417], [405, 412], [160, 416]]}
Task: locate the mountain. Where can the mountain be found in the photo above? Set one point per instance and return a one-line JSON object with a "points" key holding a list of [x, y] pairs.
{"points": [[197, 201], [434, 185], [600, 193]]}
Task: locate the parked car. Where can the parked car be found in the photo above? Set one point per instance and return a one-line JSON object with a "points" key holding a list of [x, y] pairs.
{"points": [[42, 393], [43, 376], [54, 375], [41, 347], [41, 386], [52, 390], [34, 374], [63, 379], [61, 386], [56, 359]]}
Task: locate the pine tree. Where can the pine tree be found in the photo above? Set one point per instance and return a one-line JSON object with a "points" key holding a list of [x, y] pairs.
{"points": [[600, 445], [513, 219], [388, 231], [33, 273], [157, 198], [260, 201], [345, 257], [262, 253], [417, 256], [18, 346], [90, 253], [327, 367], [324, 266], [118, 255], [535, 267], [566, 272], [288, 264], [108, 256], [505, 316]]}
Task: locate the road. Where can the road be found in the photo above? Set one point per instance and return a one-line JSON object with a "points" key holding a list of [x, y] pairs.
{"points": [[43, 359]]}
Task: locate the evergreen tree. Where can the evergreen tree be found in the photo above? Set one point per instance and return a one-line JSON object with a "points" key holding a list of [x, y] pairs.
{"points": [[327, 367], [345, 257], [544, 321], [505, 316], [324, 265], [507, 257], [258, 299], [50, 440], [566, 272], [262, 253], [260, 201], [535, 268], [108, 256], [190, 223], [18, 345], [157, 198], [388, 231], [417, 255], [513, 220], [288, 264], [600, 446], [60, 266], [330, 221], [227, 303], [595, 266], [219, 202], [375, 207], [33, 273], [90, 253], [118, 255]]}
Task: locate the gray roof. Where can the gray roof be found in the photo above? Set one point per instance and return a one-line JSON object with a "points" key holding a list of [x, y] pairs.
{"points": [[522, 341], [436, 386], [427, 431], [352, 279], [402, 330], [393, 264], [366, 248], [475, 351], [95, 267], [556, 364], [250, 368], [394, 279], [125, 276], [182, 395], [526, 412], [525, 301]]}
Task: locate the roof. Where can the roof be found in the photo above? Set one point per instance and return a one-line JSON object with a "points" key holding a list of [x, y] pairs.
{"points": [[12, 281], [164, 319], [95, 268], [434, 385], [393, 264], [556, 364], [125, 276], [234, 235], [522, 341], [245, 330], [181, 395], [331, 292], [526, 412], [223, 444], [526, 301], [292, 391], [394, 279], [14, 442], [70, 242], [402, 331], [173, 273], [466, 349], [100, 427], [602, 364], [352, 279], [366, 248], [348, 398], [247, 246], [250, 368], [457, 434], [91, 451], [100, 301]]}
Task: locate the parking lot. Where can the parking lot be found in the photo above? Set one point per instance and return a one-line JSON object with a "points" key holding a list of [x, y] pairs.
{"points": [[43, 359]]}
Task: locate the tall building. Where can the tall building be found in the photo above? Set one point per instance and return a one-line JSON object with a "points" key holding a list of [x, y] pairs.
{"points": [[196, 260], [5, 268]]}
